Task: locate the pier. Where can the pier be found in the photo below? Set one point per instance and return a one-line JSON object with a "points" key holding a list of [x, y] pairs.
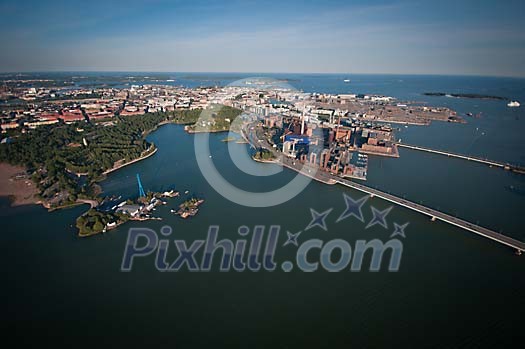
{"points": [[505, 166]]}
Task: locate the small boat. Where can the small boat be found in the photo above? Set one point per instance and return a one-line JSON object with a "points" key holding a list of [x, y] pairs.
{"points": [[513, 104], [186, 192], [346, 80]]}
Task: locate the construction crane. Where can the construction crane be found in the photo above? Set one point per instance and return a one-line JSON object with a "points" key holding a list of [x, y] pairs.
{"points": [[141, 189]]}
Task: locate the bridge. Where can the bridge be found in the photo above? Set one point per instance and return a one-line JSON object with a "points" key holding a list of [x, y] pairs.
{"points": [[327, 178], [519, 246], [502, 165]]}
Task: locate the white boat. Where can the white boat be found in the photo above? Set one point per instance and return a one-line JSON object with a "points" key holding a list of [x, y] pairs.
{"points": [[346, 80], [513, 104]]}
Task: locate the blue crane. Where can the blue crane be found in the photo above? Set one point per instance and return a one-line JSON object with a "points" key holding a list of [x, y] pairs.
{"points": [[141, 189]]}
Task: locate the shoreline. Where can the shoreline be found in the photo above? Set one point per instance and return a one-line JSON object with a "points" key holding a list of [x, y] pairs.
{"points": [[142, 157]]}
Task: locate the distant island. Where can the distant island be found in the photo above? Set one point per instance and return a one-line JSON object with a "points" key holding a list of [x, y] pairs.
{"points": [[465, 95]]}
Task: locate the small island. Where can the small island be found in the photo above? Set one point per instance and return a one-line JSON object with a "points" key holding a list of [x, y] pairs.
{"points": [[189, 208]]}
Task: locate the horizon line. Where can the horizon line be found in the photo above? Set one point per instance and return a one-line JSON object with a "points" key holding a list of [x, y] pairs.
{"points": [[261, 72]]}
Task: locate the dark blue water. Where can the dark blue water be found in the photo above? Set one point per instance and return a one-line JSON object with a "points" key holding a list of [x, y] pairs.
{"points": [[452, 289]]}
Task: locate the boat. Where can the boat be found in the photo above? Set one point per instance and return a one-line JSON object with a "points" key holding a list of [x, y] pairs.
{"points": [[186, 192], [170, 194], [513, 104], [346, 80]]}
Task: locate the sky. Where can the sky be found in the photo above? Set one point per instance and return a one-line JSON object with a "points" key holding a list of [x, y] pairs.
{"points": [[448, 37]]}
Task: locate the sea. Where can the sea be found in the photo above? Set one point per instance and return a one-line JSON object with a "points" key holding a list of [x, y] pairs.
{"points": [[453, 288]]}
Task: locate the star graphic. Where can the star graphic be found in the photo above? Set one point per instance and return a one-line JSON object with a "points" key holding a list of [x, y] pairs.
{"points": [[318, 219], [379, 217], [353, 208], [399, 230], [292, 238]]}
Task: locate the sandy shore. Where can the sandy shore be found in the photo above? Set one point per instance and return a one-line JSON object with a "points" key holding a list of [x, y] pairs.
{"points": [[21, 190]]}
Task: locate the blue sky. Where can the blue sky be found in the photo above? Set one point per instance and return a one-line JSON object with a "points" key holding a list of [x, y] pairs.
{"points": [[405, 37]]}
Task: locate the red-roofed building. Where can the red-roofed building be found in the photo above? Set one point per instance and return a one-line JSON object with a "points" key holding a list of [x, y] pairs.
{"points": [[43, 119], [69, 117], [9, 126]]}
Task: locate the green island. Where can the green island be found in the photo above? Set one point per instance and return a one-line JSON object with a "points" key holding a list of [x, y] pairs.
{"points": [[189, 208], [65, 161], [94, 221]]}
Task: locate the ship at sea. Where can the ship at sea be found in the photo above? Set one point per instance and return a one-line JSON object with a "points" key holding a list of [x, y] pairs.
{"points": [[513, 104]]}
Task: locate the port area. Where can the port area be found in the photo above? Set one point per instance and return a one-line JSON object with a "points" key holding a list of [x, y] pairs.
{"points": [[385, 109], [140, 210], [339, 145], [340, 151]]}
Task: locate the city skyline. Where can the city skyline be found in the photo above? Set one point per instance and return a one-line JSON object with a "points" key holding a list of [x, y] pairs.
{"points": [[400, 37]]}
